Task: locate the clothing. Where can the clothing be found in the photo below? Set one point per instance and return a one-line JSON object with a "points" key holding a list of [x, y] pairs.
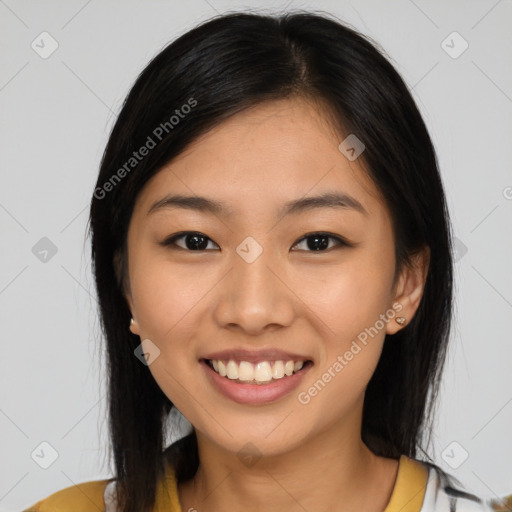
{"points": [[419, 487]]}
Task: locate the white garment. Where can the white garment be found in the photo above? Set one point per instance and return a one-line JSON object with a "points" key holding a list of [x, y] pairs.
{"points": [[109, 497], [445, 494]]}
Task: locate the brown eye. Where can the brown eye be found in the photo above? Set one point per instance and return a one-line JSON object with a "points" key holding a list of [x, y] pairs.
{"points": [[189, 240], [319, 242]]}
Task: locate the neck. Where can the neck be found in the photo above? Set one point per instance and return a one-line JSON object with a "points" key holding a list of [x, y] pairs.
{"points": [[334, 471]]}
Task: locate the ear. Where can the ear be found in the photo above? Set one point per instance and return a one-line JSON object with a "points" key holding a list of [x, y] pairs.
{"points": [[119, 271], [409, 288], [134, 326]]}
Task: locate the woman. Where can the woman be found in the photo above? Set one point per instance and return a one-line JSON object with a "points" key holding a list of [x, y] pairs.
{"points": [[272, 255]]}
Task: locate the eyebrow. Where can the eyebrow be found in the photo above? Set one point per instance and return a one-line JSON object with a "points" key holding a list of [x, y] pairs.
{"points": [[206, 205]]}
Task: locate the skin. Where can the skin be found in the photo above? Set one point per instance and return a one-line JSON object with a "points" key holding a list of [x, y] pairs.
{"points": [[191, 303]]}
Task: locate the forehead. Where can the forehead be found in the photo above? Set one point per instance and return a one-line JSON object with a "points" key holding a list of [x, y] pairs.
{"points": [[265, 156]]}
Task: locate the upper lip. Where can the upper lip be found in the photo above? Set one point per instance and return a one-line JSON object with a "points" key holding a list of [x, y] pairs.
{"points": [[255, 356]]}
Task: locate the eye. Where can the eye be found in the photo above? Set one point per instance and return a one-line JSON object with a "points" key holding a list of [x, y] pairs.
{"points": [[192, 241], [195, 241], [319, 242]]}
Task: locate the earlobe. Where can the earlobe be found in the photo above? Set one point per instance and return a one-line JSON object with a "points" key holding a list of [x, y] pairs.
{"points": [[409, 291], [134, 328]]}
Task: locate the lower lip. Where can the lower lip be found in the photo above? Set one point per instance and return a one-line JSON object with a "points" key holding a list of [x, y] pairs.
{"points": [[254, 394]]}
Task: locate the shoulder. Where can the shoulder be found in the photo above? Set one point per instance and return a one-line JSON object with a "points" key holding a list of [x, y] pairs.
{"points": [[445, 493], [84, 497]]}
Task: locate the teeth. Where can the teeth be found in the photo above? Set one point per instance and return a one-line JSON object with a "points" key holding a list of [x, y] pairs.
{"points": [[245, 371], [232, 369], [222, 369], [278, 370], [262, 372]]}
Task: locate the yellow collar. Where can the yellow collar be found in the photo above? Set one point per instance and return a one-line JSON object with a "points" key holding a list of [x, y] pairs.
{"points": [[410, 486], [407, 495]]}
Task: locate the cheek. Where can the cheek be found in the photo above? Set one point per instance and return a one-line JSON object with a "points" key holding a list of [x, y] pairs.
{"points": [[350, 297], [168, 301], [352, 304], [167, 296]]}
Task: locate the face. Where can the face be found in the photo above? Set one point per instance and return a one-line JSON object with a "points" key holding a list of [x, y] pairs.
{"points": [[250, 278]]}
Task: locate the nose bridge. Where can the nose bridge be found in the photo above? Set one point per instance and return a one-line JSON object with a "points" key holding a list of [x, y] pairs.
{"points": [[251, 268], [251, 274], [254, 296]]}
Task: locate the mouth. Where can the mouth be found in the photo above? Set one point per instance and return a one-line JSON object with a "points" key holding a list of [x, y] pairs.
{"points": [[255, 377], [262, 372]]}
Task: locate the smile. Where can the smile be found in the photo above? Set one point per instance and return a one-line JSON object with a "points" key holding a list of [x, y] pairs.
{"points": [[262, 372], [258, 382]]}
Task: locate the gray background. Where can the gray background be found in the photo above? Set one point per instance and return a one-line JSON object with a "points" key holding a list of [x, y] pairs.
{"points": [[56, 116]]}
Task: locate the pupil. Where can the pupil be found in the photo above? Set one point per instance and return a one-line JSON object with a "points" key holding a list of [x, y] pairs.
{"points": [[194, 243], [319, 242]]}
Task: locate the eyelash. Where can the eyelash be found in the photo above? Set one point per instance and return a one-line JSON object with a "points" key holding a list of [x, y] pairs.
{"points": [[171, 241]]}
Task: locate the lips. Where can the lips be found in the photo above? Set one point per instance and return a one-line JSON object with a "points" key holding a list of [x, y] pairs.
{"points": [[256, 367], [255, 377]]}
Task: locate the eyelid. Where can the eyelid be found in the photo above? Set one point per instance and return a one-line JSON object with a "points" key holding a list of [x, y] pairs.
{"points": [[340, 241], [171, 240]]}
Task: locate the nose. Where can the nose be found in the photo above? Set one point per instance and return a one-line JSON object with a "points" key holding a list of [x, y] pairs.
{"points": [[254, 297]]}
